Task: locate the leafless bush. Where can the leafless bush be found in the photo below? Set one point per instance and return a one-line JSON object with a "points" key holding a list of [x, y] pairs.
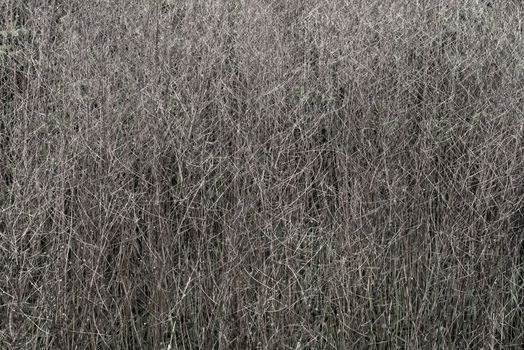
{"points": [[261, 174]]}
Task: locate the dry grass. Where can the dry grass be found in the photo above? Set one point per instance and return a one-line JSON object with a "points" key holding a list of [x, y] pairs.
{"points": [[261, 174]]}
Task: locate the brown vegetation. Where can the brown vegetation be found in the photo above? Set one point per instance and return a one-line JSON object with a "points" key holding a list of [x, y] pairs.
{"points": [[249, 174]]}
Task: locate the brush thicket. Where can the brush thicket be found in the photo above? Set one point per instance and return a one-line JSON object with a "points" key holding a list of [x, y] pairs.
{"points": [[255, 174]]}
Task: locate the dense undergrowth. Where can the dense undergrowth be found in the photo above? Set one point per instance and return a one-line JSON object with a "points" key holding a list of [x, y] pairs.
{"points": [[261, 174]]}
